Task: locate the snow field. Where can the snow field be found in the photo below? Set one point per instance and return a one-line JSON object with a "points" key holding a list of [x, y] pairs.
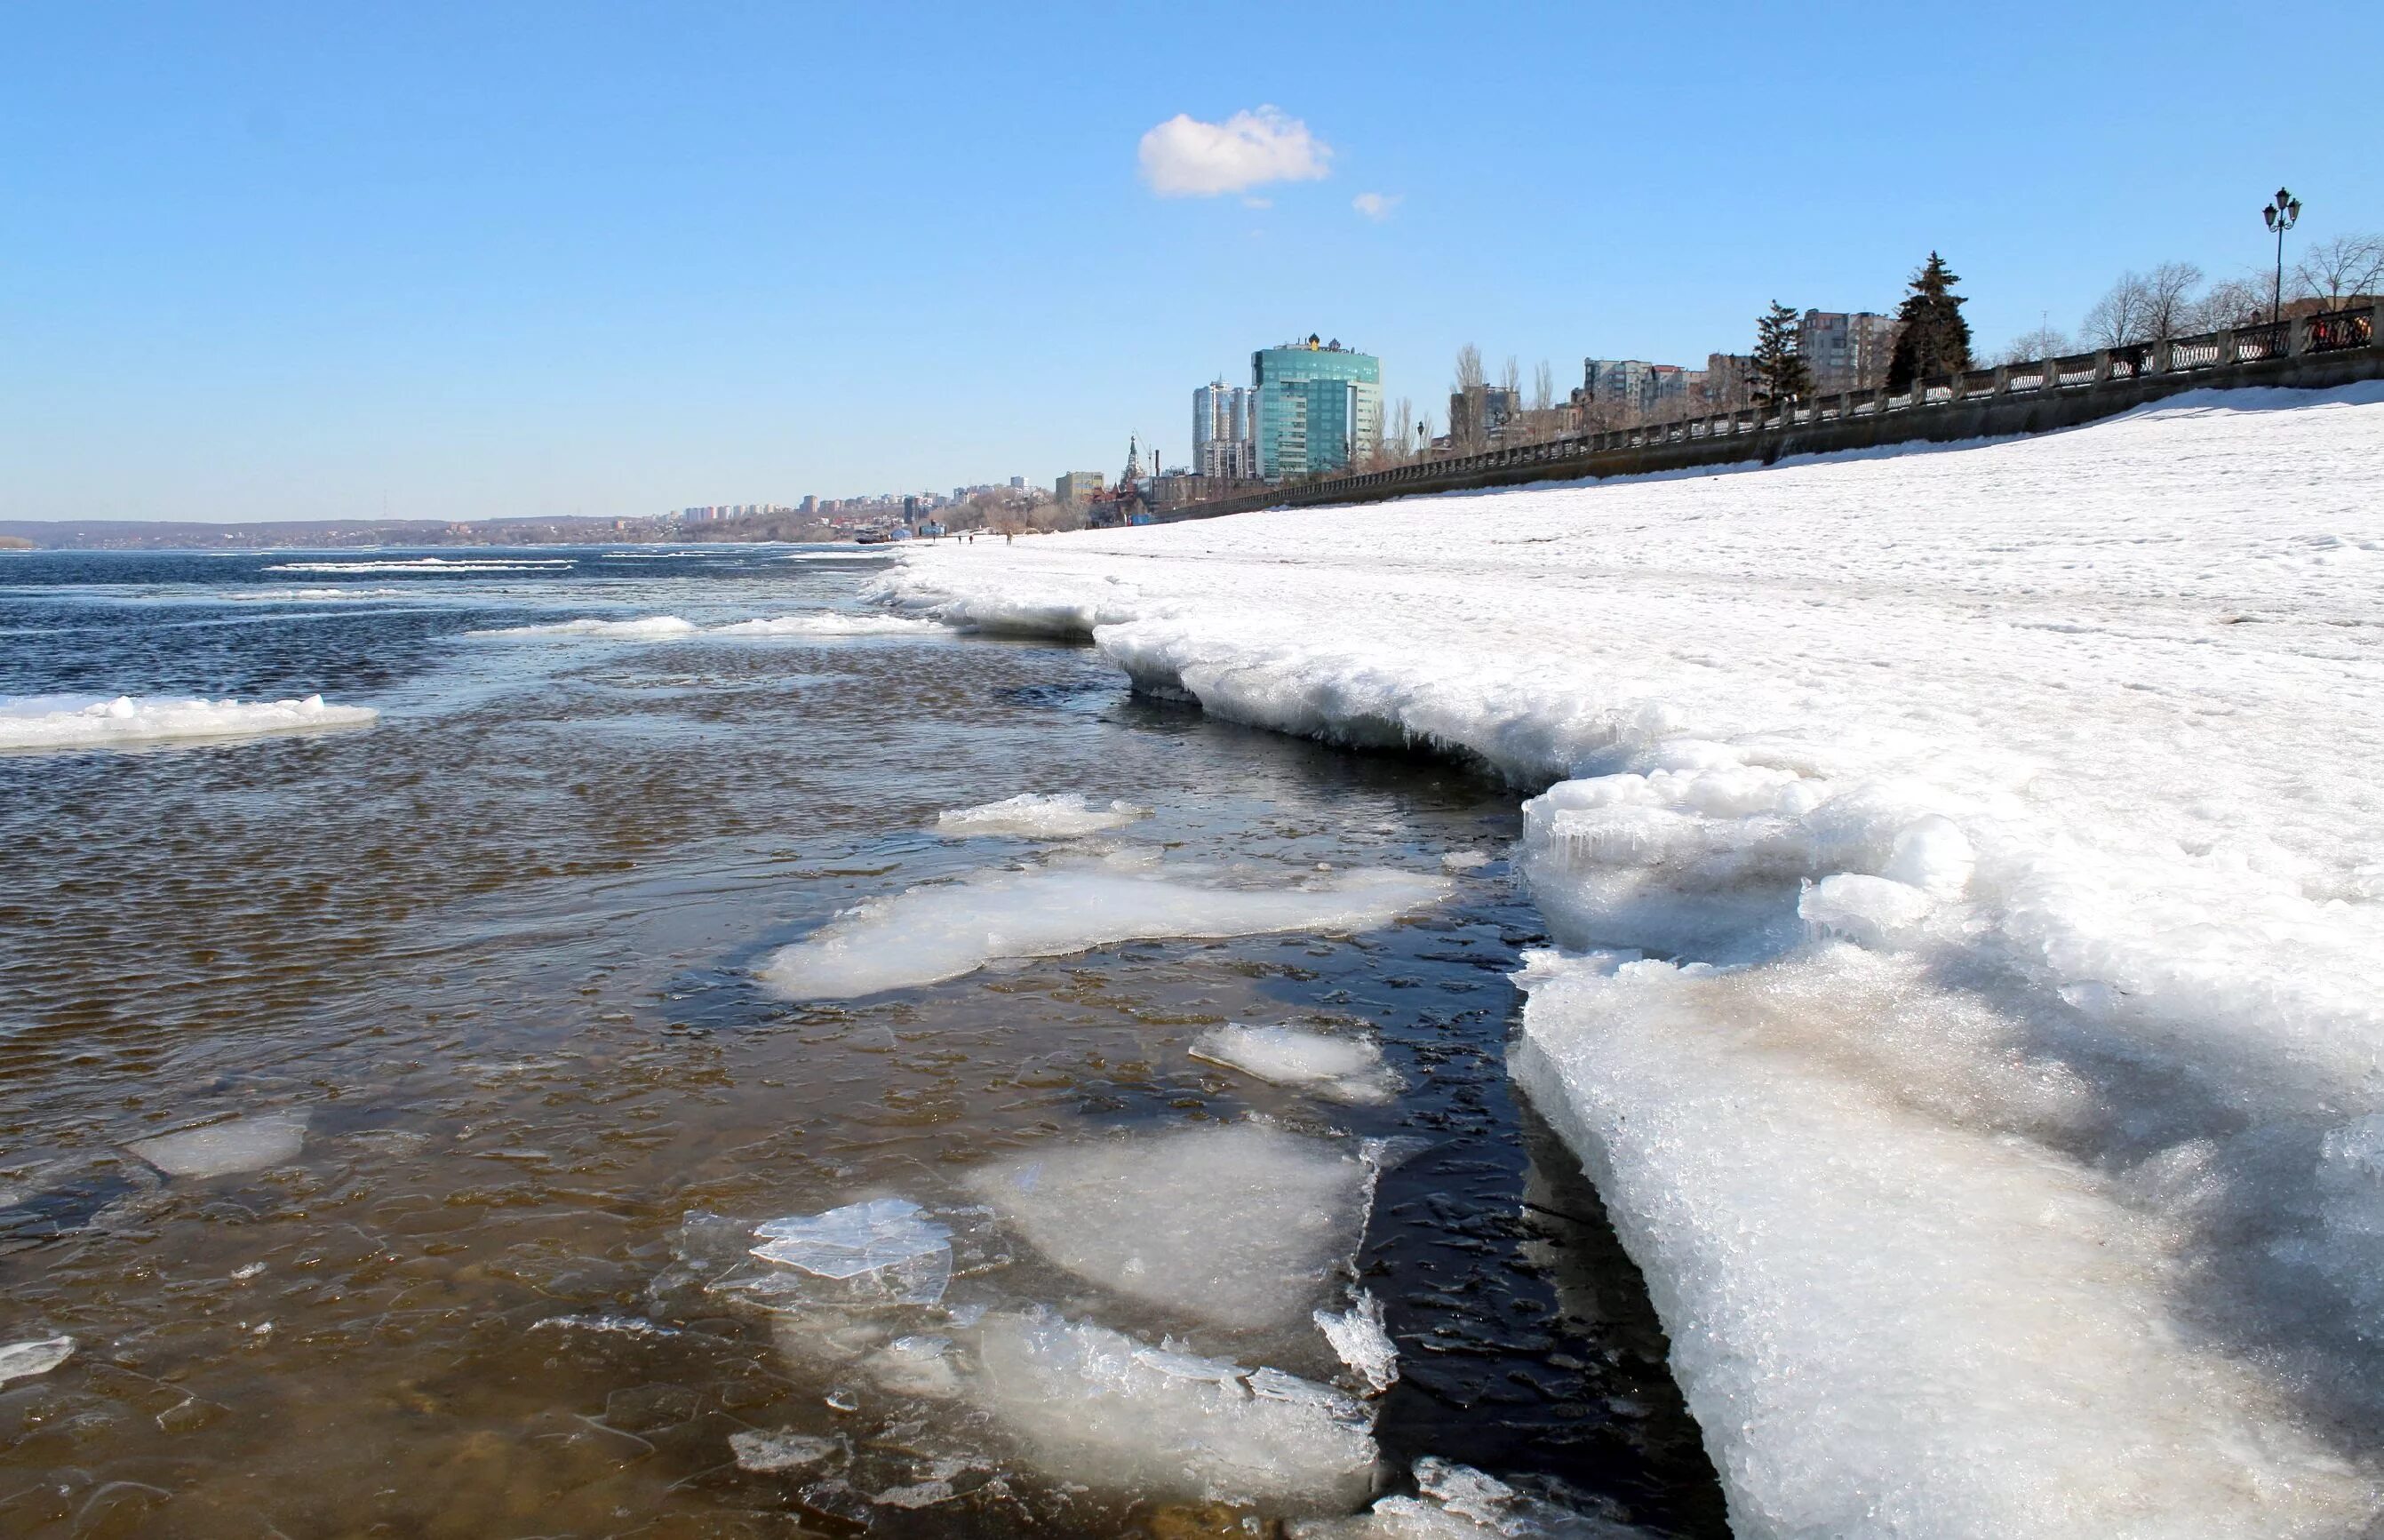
{"points": [[59, 722], [2000, 1120], [931, 933]]}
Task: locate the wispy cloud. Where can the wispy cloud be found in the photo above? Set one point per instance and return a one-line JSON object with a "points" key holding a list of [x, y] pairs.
{"points": [[1376, 206], [1187, 158]]}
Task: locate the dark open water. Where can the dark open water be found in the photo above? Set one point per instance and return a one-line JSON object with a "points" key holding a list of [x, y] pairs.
{"points": [[496, 950]]}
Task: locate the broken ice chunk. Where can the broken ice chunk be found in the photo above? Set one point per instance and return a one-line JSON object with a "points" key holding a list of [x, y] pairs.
{"points": [[1344, 1069], [882, 1252], [1028, 815], [1460, 1503], [223, 1149], [769, 1453], [920, 1366], [22, 1360], [1357, 1335], [1090, 1404], [1242, 1225], [857, 1238]]}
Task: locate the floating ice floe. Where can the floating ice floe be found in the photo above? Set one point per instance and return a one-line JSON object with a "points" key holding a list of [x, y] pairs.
{"points": [[224, 1149], [886, 1252], [426, 563], [1029, 816], [86, 722], [928, 934], [22, 1360], [1466, 861], [1090, 1404], [830, 622], [1243, 1224], [1456, 1502], [1344, 1069], [652, 628], [769, 1453]]}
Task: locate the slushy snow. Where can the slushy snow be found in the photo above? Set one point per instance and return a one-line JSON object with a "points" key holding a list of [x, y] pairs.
{"points": [[1030, 816], [1243, 1225], [928, 934], [1967, 871], [1341, 1068], [84, 722]]}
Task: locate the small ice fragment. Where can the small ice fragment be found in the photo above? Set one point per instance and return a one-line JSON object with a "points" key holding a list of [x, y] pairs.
{"points": [[924, 1494], [22, 1360], [841, 1399], [1086, 1404], [224, 1149], [1276, 1386], [1466, 861], [246, 1270], [1343, 1069], [882, 1252], [769, 1453], [916, 1366], [1028, 816], [1357, 1335], [857, 1238]]}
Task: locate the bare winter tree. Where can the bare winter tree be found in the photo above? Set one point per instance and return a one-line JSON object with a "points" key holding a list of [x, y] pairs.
{"points": [[1469, 370], [2340, 271], [1401, 447], [2168, 299], [1511, 379], [2045, 342], [2121, 317], [2230, 301]]}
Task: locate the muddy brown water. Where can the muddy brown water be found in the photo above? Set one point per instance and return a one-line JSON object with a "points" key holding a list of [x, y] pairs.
{"points": [[497, 951]]}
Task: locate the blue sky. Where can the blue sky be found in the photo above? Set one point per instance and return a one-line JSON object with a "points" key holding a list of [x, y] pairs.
{"points": [[479, 260]]}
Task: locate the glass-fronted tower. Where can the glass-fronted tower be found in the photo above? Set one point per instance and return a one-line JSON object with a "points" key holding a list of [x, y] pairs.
{"points": [[1319, 406]]}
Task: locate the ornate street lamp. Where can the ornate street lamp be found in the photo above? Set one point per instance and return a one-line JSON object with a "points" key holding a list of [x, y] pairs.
{"points": [[2281, 215]]}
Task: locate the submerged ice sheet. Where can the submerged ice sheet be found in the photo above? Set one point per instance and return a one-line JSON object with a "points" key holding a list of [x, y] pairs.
{"points": [[671, 627], [1243, 1226], [85, 722], [1456, 1502], [1093, 1405], [226, 1148], [881, 1252], [22, 1360], [1032, 816], [431, 564], [652, 628], [1342, 1068], [928, 934], [830, 622]]}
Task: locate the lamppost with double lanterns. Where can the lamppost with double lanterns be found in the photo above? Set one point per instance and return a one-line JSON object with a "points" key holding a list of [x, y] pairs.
{"points": [[2281, 215]]}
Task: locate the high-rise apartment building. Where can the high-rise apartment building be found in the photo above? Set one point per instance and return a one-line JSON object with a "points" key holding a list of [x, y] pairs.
{"points": [[1221, 445], [1845, 352], [1629, 389], [1314, 407]]}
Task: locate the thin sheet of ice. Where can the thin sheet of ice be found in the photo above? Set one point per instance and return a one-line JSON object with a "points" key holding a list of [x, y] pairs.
{"points": [[2015, 1174], [90, 722], [652, 628], [22, 1360], [1093, 1406], [425, 564], [1338, 1067], [1244, 1225], [830, 622], [928, 934], [1029, 815], [1362, 1341], [224, 1149], [1456, 1502], [857, 1238]]}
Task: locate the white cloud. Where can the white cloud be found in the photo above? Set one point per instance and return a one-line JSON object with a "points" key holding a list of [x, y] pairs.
{"points": [[1376, 206], [1187, 158]]}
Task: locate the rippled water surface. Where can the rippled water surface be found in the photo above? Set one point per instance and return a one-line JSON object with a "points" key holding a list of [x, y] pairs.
{"points": [[496, 951]]}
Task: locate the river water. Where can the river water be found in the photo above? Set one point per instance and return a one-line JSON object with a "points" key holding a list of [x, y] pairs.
{"points": [[487, 968]]}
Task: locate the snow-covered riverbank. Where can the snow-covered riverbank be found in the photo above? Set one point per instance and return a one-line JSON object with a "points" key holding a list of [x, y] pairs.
{"points": [[1969, 868]]}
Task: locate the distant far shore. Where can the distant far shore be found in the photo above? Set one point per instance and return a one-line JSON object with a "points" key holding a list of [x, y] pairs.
{"points": [[337, 534]]}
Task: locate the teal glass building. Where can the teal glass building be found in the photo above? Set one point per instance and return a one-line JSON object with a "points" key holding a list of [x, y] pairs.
{"points": [[1319, 406]]}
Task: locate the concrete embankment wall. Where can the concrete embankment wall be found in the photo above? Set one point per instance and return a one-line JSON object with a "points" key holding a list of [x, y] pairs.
{"points": [[2014, 399]]}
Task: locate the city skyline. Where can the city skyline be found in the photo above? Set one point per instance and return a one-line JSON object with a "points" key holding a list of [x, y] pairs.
{"points": [[475, 264]]}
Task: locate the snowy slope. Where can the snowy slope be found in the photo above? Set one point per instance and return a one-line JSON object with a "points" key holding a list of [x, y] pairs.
{"points": [[1969, 870]]}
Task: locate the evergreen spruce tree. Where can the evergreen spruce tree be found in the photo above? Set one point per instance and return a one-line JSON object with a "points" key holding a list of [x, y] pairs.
{"points": [[1933, 339], [1779, 371]]}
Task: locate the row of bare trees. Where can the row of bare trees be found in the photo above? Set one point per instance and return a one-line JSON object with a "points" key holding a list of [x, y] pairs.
{"points": [[2176, 300]]}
